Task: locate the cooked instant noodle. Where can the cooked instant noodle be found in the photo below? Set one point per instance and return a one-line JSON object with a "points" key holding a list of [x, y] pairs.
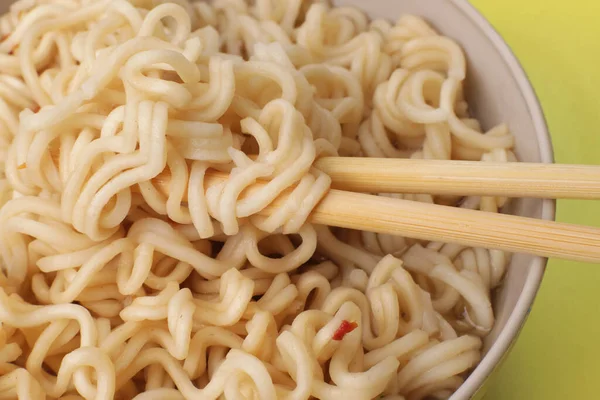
{"points": [[115, 286]]}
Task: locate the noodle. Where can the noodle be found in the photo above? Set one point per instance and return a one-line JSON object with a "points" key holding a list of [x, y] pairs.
{"points": [[111, 287]]}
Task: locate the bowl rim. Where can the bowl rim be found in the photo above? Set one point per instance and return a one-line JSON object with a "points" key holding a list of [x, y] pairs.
{"points": [[507, 337]]}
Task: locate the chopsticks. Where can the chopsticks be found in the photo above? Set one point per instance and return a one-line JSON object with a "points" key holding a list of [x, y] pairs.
{"points": [[442, 223], [458, 178], [462, 178]]}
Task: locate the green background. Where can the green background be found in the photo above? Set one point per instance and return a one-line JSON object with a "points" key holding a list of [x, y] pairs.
{"points": [[558, 44]]}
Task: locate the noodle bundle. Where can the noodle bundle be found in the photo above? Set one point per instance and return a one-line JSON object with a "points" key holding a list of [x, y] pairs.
{"points": [[113, 288]]}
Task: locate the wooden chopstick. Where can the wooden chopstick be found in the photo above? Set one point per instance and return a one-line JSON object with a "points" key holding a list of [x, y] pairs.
{"points": [[446, 224], [457, 178], [462, 178]]}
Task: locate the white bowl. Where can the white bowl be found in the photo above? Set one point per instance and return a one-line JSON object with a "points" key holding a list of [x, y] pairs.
{"points": [[498, 91]]}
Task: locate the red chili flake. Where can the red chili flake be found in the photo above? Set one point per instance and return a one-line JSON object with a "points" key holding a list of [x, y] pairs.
{"points": [[3, 38], [12, 52], [35, 109], [345, 328]]}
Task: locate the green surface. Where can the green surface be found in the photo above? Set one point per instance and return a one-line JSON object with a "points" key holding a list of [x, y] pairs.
{"points": [[558, 44]]}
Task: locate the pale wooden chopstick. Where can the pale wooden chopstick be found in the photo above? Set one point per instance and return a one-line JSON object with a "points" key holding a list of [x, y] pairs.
{"points": [[447, 224], [457, 178], [462, 178]]}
